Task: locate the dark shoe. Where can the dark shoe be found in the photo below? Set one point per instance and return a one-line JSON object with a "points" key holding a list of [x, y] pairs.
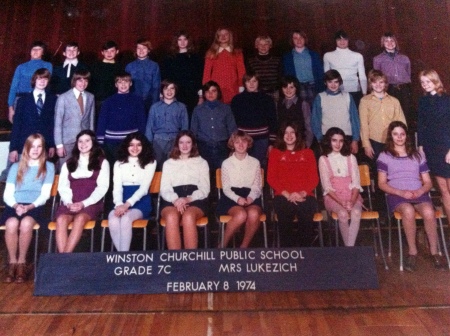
{"points": [[10, 276], [438, 263], [410, 263], [21, 273]]}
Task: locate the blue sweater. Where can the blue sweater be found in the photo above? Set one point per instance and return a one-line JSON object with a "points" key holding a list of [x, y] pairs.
{"points": [[166, 120], [146, 79], [316, 64], [120, 115], [21, 82], [27, 121]]}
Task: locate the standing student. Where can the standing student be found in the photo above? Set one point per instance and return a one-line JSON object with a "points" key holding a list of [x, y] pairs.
{"points": [[397, 68], [104, 73], [241, 183], [34, 113], [350, 65], [145, 74], [166, 118], [212, 124], [432, 131], [184, 66], [255, 114], [74, 112], [121, 114], [224, 64], [292, 173], [184, 191], [339, 174], [62, 74], [376, 111], [83, 182], [133, 174], [21, 82], [27, 189], [335, 108], [304, 64], [266, 65], [404, 176]]}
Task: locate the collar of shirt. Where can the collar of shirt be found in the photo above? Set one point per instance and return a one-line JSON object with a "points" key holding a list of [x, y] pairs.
{"points": [[76, 92], [290, 101], [74, 62], [35, 94], [301, 51], [222, 49], [331, 93]]}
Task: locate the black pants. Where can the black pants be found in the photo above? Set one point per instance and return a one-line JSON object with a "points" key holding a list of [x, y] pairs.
{"points": [[304, 212]]}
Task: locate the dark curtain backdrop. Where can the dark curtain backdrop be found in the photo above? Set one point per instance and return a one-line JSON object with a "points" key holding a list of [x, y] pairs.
{"points": [[422, 27]]}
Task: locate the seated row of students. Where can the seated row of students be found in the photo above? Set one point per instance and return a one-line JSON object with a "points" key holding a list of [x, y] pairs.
{"points": [[185, 185]]}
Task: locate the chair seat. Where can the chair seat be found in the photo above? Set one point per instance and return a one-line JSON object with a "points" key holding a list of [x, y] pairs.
{"points": [[227, 218], [437, 214], [318, 217], [370, 215], [36, 226], [203, 221], [88, 226]]}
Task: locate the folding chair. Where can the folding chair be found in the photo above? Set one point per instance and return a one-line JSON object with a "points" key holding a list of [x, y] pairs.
{"points": [[369, 214], [226, 218], [139, 223]]}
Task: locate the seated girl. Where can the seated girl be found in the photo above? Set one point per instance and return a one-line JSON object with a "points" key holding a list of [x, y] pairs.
{"points": [[83, 182], [339, 174], [27, 189], [292, 173], [184, 191], [241, 182], [404, 175], [133, 174]]}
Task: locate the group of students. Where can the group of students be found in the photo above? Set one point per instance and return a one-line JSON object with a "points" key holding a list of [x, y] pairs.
{"points": [[257, 125]]}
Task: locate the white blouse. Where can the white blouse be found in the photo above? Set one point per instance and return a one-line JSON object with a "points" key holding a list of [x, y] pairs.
{"points": [[131, 174], [183, 172], [339, 166], [244, 173], [82, 172]]}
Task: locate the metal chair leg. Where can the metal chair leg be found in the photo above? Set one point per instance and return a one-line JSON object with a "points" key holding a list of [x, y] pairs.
{"points": [[400, 243]]}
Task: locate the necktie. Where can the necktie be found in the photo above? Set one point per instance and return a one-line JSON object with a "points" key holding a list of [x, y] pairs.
{"points": [[80, 102], [69, 68], [39, 104]]}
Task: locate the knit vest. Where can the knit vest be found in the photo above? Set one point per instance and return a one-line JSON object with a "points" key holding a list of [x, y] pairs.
{"points": [[336, 112]]}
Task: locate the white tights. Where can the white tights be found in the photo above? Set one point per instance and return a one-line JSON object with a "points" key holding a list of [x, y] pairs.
{"points": [[348, 232], [120, 228]]}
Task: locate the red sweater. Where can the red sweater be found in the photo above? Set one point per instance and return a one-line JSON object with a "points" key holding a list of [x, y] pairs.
{"points": [[227, 70], [292, 171]]}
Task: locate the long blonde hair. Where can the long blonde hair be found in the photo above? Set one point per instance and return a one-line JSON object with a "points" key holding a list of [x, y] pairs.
{"points": [[433, 76], [213, 51], [25, 159]]}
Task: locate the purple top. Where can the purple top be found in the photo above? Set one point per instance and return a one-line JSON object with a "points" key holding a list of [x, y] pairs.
{"points": [[403, 173], [397, 69]]}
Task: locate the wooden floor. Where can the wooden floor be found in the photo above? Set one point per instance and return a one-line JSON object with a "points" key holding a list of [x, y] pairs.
{"points": [[406, 304]]}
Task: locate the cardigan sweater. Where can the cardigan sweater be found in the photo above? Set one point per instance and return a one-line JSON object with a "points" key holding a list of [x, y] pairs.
{"points": [[120, 115]]}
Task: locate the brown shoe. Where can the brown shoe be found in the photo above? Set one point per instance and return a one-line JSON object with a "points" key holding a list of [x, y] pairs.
{"points": [[10, 276], [21, 273]]}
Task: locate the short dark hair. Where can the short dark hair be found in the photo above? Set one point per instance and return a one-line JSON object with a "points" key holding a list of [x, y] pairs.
{"points": [[286, 80], [109, 45], [326, 142], [122, 75], [302, 33], [39, 44], [331, 75], [249, 75], [210, 84], [165, 84], [175, 153], [341, 34], [71, 44], [40, 73]]}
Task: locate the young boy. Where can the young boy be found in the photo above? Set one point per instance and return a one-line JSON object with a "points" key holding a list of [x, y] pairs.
{"points": [[62, 74], [34, 113], [166, 118], [121, 114], [335, 108], [22, 76], [104, 73], [376, 111], [145, 74], [74, 112]]}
